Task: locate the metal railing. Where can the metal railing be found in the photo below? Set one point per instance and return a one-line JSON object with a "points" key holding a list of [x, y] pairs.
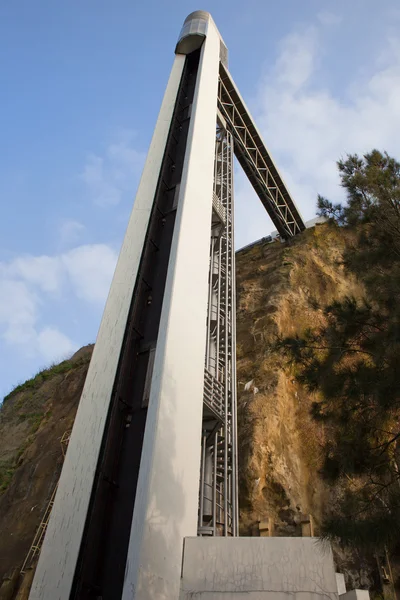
{"points": [[218, 489], [36, 545], [219, 208], [214, 395]]}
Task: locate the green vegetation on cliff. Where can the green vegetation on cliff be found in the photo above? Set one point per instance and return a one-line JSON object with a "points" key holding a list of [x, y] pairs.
{"points": [[33, 419], [28, 412], [352, 358]]}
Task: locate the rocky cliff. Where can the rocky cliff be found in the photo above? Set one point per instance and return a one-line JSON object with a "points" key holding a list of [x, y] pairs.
{"points": [[281, 289], [281, 292], [35, 420]]}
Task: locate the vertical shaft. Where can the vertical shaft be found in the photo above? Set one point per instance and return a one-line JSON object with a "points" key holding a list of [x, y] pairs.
{"points": [[166, 501], [63, 541], [219, 423]]}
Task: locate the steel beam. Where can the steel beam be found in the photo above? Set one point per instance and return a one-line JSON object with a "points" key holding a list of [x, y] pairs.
{"points": [[255, 159]]}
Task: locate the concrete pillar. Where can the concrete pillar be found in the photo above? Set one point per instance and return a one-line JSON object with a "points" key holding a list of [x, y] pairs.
{"points": [[166, 501], [307, 526], [341, 584], [355, 595], [266, 527], [59, 554]]}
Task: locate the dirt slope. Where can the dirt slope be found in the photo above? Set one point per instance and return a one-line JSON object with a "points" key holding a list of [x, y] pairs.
{"points": [[33, 420]]}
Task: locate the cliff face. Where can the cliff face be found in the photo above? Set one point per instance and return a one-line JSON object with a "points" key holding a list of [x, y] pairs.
{"points": [[281, 289], [33, 420], [279, 444], [278, 287]]}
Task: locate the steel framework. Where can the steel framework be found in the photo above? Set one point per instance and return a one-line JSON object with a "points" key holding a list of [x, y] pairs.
{"points": [[255, 159], [218, 513], [236, 135]]}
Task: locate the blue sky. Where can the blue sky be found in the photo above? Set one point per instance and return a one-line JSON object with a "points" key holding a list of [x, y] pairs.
{"points": [[81, 84]]}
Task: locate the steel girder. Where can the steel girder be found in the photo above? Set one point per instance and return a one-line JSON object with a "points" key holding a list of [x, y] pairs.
{"points": [[256, 161]]}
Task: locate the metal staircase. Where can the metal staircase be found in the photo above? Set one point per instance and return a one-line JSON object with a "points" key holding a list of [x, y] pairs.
{"points": [[217, 501]]}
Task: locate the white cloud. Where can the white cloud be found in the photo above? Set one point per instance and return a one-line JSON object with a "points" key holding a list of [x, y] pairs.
{"points": [[53, 345], [90, 270], [70, 232], [18, 311], [297, 60], [108, 177], [308, 127], [29, 285], [251, 218], [19, 314], [41, 271]]}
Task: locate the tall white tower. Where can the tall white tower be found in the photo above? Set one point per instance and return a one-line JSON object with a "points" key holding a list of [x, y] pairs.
{"points": [[152, 457]]}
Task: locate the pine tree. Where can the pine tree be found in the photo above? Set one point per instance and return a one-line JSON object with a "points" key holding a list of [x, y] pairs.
{"points": [[354, 360]]}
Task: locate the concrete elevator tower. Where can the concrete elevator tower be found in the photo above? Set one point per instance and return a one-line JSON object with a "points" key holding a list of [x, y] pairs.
{"points": [[153, 453]]}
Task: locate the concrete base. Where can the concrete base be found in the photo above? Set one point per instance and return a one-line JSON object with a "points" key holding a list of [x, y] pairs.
{"points": [[355, 595], [341, 584], [257, 568]]}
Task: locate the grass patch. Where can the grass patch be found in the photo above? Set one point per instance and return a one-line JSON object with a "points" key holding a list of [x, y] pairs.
{"points": [[35, 420], [20, 402], [6, 474], [46, 374]]}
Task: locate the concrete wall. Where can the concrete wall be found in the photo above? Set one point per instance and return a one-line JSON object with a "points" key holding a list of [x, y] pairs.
{"points": [[55, 571], [257, 569], [167, 494], [341, 584], [355, 595]]}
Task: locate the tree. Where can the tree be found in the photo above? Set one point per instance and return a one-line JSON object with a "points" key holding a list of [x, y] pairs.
{"points": [[354, 359]]}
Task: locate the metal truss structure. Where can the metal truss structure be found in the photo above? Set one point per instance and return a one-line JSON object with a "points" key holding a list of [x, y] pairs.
{"points": [[152, 457], [256, 160], [218, 514], [236, 135]]}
